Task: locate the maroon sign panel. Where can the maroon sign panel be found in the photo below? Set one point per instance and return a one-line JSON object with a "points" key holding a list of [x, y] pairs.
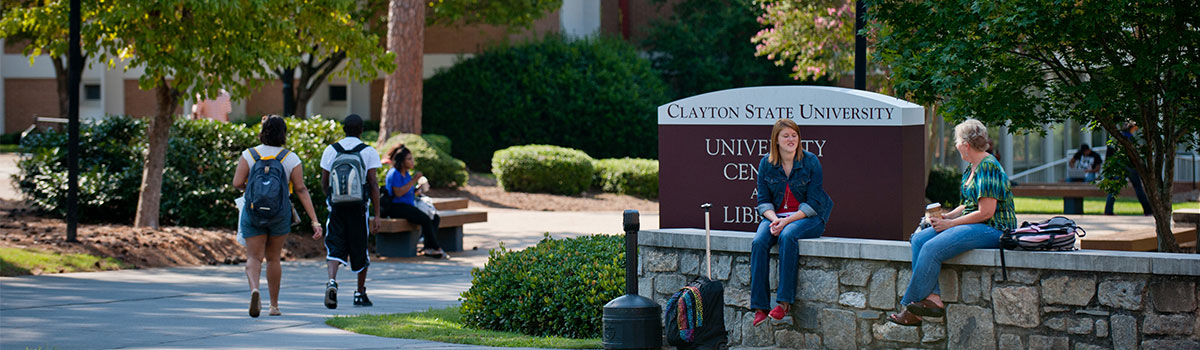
{"points": [[870, 146]]}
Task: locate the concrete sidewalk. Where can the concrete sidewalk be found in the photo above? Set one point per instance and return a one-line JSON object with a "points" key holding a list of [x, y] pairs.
{"points": [[205, 308]]}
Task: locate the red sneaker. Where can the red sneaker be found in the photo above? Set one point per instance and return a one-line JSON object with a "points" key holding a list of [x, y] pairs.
{"points": [[778, 312], [760, 316]]}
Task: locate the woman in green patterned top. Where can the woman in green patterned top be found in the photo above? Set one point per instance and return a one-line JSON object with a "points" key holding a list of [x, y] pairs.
{"points": [[985, 213]]}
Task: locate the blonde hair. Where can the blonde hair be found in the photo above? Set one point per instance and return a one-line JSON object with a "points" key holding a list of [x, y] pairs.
{"points": [[974, 133], [776, 156]]}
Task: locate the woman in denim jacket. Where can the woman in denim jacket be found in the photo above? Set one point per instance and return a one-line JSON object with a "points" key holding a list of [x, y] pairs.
{"points": [[794, 206]]}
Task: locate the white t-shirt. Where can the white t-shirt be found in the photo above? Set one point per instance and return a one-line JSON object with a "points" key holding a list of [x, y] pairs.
{"points": [[369, 155], [290, 161]]}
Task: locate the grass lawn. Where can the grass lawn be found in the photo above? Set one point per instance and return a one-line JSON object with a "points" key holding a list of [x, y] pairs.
{"points": [[1091, 206], [5, 148], [22, 261], [442, 325]]}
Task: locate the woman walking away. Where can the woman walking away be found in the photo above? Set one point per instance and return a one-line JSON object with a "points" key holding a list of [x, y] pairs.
{"points": [[401, 188], [794, 206], [986, 212], [265, 172]]}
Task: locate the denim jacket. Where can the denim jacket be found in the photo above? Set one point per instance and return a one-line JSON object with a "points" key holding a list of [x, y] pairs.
{"points": [[805, 181]]}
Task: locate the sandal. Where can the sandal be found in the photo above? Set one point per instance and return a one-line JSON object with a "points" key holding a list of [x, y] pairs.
{"points": [[274, 311], [905, 319], [255, 306], [926, 308]]}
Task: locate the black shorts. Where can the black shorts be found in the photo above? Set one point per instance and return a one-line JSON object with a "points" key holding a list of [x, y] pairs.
{"points": [[346, 236]]}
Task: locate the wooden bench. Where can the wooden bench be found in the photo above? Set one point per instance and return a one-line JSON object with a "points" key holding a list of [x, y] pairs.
{"points": [[398, 237], [1140, 240]]}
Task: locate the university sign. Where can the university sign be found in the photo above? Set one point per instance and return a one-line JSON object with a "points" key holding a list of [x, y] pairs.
{"points": [[871, 148]]}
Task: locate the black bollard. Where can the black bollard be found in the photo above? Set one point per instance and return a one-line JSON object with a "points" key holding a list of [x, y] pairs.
{"points": [[632, 321]]}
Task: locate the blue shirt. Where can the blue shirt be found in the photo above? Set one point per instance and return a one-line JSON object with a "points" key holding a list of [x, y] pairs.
{"points": [[399, 179]]}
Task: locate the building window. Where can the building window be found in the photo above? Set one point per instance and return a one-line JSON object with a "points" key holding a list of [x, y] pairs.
{"points": [[91, 92], [337, 93]]}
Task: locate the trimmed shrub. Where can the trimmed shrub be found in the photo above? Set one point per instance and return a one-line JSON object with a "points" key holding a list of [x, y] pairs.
{"points": [[597, 95], [201, 158], [543, 169], [439, 142], [556, 288], [943, 186], [633, 176], [441, 169]]}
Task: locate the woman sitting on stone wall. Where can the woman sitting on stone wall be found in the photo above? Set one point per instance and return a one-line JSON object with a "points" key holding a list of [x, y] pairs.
{"points": [[985, 213], [794, 206]]}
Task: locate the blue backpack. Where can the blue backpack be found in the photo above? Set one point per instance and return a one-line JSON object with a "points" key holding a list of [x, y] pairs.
{"points": [[267, 191]]}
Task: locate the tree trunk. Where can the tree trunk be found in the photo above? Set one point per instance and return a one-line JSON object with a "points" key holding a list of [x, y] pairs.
{"points": [[307, 86], [287, 75], [401, 110], [60, 76], [157, 136]]}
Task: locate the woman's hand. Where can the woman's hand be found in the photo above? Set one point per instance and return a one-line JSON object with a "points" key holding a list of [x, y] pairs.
{"points": [[317, 233], [940, 224], [777, 226]]}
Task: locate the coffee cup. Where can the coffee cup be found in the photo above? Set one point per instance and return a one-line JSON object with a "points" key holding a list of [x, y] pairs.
{"points": [[933, 210]]}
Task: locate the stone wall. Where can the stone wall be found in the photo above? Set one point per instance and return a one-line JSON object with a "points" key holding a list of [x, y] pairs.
{"points": [[847, 287]]}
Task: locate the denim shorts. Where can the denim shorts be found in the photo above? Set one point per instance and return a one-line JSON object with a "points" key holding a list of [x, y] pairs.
{"points": [[247, 230]]}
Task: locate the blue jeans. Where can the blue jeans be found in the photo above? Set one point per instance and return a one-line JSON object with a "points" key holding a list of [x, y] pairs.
{"points": [[930, 249], [1135, 180], [789, 256]]}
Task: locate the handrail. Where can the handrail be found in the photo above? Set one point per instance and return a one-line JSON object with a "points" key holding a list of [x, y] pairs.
{"points": [[1049, 165]]}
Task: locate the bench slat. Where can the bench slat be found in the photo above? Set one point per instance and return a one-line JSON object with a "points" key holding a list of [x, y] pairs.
{"points": [[443, 204], [450, 218], [1140, 240]]}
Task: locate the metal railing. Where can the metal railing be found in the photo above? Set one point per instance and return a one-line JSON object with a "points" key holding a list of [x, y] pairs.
{"points": [[1189, 162]]}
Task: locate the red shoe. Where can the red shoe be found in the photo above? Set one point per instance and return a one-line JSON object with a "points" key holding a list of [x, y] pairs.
{"points": [[778, 312], [760, 316]]}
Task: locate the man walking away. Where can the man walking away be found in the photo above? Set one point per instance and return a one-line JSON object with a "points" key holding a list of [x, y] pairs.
{"points": [[347, 176]]}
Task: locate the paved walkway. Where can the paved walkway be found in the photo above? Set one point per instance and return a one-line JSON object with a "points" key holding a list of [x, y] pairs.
{"points": [[8, 168]]}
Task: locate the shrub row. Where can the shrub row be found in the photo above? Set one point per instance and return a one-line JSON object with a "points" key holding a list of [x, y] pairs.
{"points": [[201, 158], [559, 170], [943, 186], [432, 158], [598, 95], [556, 288]]}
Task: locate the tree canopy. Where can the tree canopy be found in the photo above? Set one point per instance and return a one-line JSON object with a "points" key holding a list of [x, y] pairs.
{"points": [[1025, 64]]}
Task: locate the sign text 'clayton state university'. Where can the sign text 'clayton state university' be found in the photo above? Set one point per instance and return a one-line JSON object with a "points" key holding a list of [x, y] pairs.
{"points": [[871, 149]]}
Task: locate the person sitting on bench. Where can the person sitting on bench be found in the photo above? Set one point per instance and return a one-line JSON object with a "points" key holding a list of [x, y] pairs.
{"points": [[401, 189]]}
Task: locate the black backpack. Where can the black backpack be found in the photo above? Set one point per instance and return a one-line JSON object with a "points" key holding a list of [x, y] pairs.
{"points": [[267, 190]]}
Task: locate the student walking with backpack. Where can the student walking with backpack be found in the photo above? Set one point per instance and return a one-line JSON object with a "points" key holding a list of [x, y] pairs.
{"points": [[348, 177], [266, 172]]}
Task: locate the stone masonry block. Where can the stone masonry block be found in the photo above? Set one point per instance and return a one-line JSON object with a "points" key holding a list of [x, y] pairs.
{"points": [[1124, 332], [818, 285], [756, 336], [933, 332], [1066, 290], [668, 283], [689, 264], [659, 260], [1081, 325], [733, 325], [1123, 294], [969, 327], [882, 292], [1016, 306], [903, 277], [1101, 328], [1175, 324], [737, 297], [972, 290], [839, 328], [789, 338], [855, 274], [948, 281], [1039, 342], [1010, 341], [892, 332], [853, 299], [1173, 296]]}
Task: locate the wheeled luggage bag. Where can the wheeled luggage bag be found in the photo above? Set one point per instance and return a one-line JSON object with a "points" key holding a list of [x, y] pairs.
{"points": [[696, 313]]}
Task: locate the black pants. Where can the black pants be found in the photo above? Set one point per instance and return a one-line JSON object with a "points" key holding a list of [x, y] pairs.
{"points": [[412, 214]]}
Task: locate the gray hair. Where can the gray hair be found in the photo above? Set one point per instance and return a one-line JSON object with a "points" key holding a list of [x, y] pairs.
{"points": [[974, 133]]}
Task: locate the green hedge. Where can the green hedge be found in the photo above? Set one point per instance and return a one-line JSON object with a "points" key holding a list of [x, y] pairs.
{"points": [[543, 168], [598, 95], [442, 170], [943, 186], [556, 288], [638, 177], [201, 158]]}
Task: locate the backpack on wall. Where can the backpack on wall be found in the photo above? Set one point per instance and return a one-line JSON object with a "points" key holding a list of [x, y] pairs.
{"points": [[348, 176], [1055, 234], [266, 194]]}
